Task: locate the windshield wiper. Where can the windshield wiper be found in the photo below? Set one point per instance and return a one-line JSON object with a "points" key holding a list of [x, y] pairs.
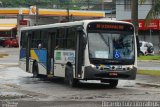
{"points": [[103, 39]]}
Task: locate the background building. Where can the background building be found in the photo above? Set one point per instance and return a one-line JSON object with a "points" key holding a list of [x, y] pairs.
{"points": [[17, 14], [150, 33], [8, 28]]}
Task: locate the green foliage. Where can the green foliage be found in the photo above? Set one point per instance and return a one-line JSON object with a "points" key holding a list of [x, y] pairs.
{"points": [[154, 11], [73, 4], [142, 1], [149, 72], [155, 57]]}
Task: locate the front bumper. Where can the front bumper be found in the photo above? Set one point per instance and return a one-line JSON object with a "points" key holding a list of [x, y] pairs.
{"points": [[96, 74]]}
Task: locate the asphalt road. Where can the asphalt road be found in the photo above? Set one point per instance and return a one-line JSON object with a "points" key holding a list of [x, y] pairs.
{"points": [[149, 65], [19, 88]]}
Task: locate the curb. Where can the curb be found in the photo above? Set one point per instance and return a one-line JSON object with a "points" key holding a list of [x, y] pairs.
{"points": [[8, 64], [148, 84], [149, 61]]}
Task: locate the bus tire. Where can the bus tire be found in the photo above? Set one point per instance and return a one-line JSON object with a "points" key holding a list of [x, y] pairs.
{"points": [[112, 83], [35, 69], [69, 79]]}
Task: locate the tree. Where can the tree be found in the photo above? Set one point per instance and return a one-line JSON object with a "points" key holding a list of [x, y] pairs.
{"points": [[134, 18], [154, 11], [62, 4]]}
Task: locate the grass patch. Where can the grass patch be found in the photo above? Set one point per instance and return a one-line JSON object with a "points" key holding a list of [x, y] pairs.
{"points": [[154, 57], [149, 72]]}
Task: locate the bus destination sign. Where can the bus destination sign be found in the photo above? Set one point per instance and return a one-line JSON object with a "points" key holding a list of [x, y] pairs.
{"points": [[107, 26], [110, 26]]}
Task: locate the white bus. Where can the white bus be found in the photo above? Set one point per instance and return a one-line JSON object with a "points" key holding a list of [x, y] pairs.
{"points": [[83, 50]]}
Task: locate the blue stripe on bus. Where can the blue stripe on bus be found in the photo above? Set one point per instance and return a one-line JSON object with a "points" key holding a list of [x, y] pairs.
{"points": [[22, 53], [42, 56]]}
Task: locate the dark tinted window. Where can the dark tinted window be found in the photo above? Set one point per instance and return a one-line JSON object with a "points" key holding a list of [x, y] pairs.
{"points": [[39, 39], [60, 38], [35, 39], [23, 42], [71, 38], [66, 38], [44, 38]]}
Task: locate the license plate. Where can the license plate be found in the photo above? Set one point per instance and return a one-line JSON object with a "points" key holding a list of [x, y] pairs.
{"points": [[113, 74]]}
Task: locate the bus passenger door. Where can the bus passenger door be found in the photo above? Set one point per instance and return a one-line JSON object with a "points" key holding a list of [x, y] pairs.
{"points": [[59, 62], [28, 48], [50, 53], [80, 53]]}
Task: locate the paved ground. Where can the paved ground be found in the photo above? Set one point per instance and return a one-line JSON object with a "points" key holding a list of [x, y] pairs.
{"points": [[11, 55], [149, 65], [148, 80]]}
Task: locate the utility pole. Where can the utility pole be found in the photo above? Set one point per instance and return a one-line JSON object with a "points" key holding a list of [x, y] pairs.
{"points": [[68, 6], [134, 14], [102, 4], [134, 20], [37, 12], [88, 4]]}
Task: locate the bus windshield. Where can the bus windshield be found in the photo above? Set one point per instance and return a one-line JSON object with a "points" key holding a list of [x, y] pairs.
{"points": [[111, 45]]}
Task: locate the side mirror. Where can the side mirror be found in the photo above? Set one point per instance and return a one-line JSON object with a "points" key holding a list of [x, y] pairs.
{"points": [[82, 33]]}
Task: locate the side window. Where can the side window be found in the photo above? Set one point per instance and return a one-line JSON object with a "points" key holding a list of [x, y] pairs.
{"points": [[39, 39], [60, 38], [23, 42], [71, 38], [66, 38], [35, 40], [43, 38]]}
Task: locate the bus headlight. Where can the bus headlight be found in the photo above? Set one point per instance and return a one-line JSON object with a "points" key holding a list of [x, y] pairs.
{"points": [[93, 66]]}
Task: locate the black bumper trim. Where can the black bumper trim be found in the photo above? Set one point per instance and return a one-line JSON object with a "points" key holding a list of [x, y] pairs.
{"points": [[95, 74]]}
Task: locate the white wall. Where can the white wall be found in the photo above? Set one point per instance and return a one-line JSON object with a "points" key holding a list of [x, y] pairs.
{"points": [[122, 14], [8, 21]]}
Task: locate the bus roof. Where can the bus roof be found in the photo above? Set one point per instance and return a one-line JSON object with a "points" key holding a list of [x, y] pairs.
{"points": [[75, 23]]}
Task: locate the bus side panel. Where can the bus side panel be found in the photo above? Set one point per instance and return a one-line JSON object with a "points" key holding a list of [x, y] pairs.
{"points": [[136, 53], [22, 57], [40, 55], [61, 57]]}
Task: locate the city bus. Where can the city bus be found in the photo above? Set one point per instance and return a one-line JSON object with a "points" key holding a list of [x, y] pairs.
{"points": [[101, 50]]}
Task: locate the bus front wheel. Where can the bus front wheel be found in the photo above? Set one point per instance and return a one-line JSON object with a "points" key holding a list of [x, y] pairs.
{"points": [[35, 69], [69, 79], [112, 83]]}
